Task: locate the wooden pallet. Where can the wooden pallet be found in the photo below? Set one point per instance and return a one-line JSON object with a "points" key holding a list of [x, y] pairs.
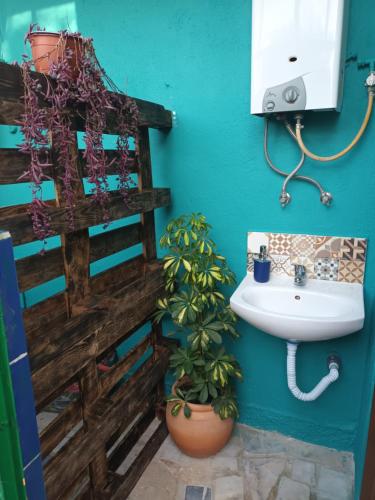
{"points": [[69, 332]]}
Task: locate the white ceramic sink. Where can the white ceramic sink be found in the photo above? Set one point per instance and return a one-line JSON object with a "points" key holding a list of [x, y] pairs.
{"points": [[320, 310]]}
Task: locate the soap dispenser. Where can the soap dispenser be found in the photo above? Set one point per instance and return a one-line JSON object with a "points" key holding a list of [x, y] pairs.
{"points": [[262, 266]]}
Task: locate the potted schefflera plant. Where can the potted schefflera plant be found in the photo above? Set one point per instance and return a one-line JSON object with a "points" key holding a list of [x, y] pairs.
{"points": [[202, 407]]}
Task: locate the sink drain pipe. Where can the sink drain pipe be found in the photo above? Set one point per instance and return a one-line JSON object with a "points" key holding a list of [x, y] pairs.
{"points": [[333, 365]]}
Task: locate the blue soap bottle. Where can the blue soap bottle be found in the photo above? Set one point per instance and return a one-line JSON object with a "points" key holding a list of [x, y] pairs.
{"points": [[262, 266]]}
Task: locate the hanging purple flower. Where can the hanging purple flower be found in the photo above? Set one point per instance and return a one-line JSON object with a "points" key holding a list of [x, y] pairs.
{"points": [[72, 87]]}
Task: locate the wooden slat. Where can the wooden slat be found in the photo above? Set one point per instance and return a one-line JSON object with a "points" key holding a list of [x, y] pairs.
{"points": [[114, 241], [37, 269], [144, 183], [112, 280], [75, 244], [13, 164], [11, 106], [87, 336], [43, 317], [69, 462], [54, 433], [110, 378], [141, 462], [40, 316], [117, 436], [79, 489], [46, 347], [86, 214], [130, 439], [148, 226], [90, 389]]}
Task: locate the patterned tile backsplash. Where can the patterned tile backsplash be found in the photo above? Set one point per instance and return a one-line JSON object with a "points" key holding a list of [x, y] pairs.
{"points": [[324, 257]]}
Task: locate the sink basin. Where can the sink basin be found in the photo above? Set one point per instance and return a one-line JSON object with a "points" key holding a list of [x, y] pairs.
{"points": [[320, 310]]}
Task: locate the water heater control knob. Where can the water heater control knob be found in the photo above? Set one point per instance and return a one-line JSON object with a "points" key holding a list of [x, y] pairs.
{"points": [[291, 94], [270, 105]]}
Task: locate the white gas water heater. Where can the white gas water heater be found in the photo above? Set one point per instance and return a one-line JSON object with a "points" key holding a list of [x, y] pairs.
{"points": [[297, 65]]}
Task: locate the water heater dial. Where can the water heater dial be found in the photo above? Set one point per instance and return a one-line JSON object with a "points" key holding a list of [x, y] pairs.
{"points": [[270, 105], [291, 94]]}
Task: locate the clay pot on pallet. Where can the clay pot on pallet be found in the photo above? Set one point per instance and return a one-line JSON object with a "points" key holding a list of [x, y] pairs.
{"points": [[49, 47]]}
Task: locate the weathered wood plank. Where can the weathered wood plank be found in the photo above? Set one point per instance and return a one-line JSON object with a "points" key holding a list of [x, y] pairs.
{"points": [[114, 279], [79, 489], [50, 315], [54, 433], [145, 182], [38, 318], [91, 334], [64, 481], [110, 378], [75, 244], [114, 241], [13, 164], [90, 389], [86, 214], [117, 436], [148, 228], [141, 462], [11, 106], [78, 356], [73, 458], [131, 437], [37, 269]]}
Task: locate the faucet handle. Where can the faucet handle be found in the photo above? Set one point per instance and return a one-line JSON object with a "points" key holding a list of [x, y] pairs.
{"points": [[300, 269], [299, 275]]}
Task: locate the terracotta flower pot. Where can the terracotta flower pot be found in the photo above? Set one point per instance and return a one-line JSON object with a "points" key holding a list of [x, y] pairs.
{"points": [[201, 435], [48, 47]]}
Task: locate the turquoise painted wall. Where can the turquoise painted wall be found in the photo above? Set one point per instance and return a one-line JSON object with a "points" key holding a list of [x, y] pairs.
{"points": [[193, 57]]}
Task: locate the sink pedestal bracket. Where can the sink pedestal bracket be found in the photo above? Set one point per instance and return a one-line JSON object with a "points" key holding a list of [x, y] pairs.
{"points": [[333, 365]]}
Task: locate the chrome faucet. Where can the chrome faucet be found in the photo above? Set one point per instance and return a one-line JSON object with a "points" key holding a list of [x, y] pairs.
{"points": [[299, 275]]}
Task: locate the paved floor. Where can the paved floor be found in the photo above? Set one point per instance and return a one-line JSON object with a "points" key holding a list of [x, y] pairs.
{"points": [[255, 465]]}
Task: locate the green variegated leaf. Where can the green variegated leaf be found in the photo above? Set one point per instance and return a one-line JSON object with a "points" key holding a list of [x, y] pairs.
{"points": [[187, 411], [175, 409]]}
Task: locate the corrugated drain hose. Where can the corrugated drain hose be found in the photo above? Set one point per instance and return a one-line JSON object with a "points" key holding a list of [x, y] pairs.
{"points": [[370, 83]]}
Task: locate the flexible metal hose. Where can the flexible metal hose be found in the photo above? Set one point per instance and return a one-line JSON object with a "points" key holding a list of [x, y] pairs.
{"points": [[359, 134], [296, 168]]}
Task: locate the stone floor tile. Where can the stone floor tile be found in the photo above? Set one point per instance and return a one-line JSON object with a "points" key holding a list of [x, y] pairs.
{"points": [[233, 449], [261, 477], [229, 488], [333, 485], [224, 465], [303, 471], [44, 418], [255, 465], [251, 438], [169, 451], [157, 483], [191, 470], [291, 490]]}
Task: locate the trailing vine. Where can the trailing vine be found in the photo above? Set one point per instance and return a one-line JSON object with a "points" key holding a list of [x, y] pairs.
{"points": [[80, 86]]}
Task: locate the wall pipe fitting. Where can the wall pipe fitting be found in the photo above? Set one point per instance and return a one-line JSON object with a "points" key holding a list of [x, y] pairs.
{"points": [[285, 197], [370, 84], [333, 375]]}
